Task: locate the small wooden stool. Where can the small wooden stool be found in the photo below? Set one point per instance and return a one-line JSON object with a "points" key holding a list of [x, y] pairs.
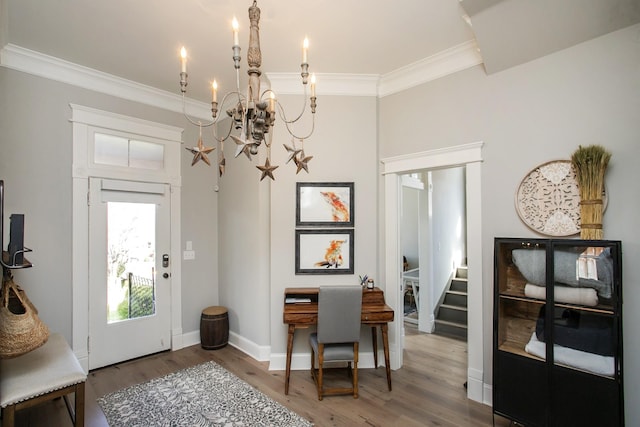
{"points": [[45, 373], [214, 327]]}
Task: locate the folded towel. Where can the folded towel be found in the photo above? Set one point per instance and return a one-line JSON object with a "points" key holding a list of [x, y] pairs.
{"points": [[581, 296], [603, 365]]}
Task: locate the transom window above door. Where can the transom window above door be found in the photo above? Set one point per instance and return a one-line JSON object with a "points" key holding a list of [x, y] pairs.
{"points": [[114, 150]]}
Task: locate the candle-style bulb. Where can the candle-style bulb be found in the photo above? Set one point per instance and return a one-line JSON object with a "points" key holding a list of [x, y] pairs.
{"points": [[183, 60], [305, 48], [214, 91], [234, 26], [272, 102], [313, 84]]}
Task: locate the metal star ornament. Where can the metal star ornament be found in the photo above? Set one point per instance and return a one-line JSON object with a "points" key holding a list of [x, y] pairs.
{"points": [[221, 164], [267, 170], [293, 152], [302, 161], [243, 146], [200, 152]]}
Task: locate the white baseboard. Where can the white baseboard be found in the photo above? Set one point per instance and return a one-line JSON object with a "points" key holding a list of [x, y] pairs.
{"points": [[258, 352], [189, 339]]}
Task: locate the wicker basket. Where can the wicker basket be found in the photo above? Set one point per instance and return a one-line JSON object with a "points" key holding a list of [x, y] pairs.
{"points": [[21, 330]]}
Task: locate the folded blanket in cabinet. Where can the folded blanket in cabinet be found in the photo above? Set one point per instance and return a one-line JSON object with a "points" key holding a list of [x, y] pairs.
{"points": [[532, 265], [603, 365], [584, 331], [581, 296]]}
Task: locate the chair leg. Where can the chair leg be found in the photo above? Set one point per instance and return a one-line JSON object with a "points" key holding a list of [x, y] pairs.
{"points": [[355, 370], [320, 366], [313, 364]]}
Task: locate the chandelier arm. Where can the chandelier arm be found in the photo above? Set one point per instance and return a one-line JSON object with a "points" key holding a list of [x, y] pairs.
{"points": [[193, 121], [302, 138], [215, 133], [282, 114]]}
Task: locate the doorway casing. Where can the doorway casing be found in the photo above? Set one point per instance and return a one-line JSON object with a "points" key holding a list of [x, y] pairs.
{"points": [[470, 156], [86, 121]]}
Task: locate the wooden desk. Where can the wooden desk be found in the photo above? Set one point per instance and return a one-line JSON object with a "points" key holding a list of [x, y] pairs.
{"points": [[301, 311]]}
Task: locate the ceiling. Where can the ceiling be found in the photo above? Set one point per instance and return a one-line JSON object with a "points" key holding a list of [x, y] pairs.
{"points": [[140, 40]]}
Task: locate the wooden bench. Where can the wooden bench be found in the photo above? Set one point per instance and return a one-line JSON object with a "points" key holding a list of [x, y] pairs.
{"points": [[46, 373]]}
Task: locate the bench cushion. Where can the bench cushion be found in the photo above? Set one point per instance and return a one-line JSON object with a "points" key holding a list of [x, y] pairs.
{"points": [[48, 368]]}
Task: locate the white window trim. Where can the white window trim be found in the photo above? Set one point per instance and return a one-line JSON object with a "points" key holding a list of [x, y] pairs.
{"points": [[86, 121]]}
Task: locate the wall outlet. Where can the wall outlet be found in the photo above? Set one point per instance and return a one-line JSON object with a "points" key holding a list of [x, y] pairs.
{"points": [[188, 255]]}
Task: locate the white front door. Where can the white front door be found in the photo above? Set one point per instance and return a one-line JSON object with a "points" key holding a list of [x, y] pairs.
{"points": [[129, 270]]}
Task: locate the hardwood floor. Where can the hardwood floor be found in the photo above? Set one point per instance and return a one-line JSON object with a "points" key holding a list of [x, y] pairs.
{"points": [[427, 391]]}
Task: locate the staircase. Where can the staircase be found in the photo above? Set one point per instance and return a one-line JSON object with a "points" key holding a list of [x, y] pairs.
{"points": [[451, 312]]}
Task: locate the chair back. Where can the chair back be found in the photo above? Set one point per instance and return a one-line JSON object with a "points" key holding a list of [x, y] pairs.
{"points": [[339, 311]]}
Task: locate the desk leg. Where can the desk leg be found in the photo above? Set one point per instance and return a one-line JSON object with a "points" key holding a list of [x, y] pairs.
{"points": [[374, 340], [292, 329], [385, 344], [9, 416]]}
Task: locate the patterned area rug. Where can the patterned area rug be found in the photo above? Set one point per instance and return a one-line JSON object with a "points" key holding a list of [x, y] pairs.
{"points": [[204, 395]]}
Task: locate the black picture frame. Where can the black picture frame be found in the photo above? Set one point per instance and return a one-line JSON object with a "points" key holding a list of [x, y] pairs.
{"points": [[329, 204], [314, 253]]}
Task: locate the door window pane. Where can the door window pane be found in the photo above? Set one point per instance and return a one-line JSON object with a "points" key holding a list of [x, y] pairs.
{"points": [[131, 260]]}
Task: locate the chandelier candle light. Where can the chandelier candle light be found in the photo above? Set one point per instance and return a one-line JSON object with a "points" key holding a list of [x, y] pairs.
{"points": [[252, 115]]}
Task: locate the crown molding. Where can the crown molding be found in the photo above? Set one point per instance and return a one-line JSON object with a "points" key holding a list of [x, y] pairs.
{"points": [[328, 84], [457, 58], [49, 67]]}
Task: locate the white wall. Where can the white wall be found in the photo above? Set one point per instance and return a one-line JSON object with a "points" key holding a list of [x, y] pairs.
{"points": [[448, 226], [343, 147], [527, 115], [410, 229]]}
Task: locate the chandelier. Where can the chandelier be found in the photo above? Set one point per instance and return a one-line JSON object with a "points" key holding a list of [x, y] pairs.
{"points": [[252, 115]]}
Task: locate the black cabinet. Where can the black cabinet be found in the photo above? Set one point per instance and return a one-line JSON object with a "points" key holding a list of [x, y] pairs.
{"points": [[557, 347]]}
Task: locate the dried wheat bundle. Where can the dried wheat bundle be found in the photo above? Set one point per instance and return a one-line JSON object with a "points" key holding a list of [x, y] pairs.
{"points": [[590, 164]]}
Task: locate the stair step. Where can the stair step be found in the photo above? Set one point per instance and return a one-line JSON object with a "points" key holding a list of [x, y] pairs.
{"points": [[451, 329], [452, 313], [459, 285], [450, 323], [462, 272], [455, 298]]}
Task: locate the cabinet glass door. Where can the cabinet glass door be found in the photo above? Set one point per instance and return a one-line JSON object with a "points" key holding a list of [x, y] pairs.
{"points": [[583, 313], [520, 278]]}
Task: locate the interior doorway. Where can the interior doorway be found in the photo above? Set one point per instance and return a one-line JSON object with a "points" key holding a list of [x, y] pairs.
{"points": [[469, 155], [434, 253]]}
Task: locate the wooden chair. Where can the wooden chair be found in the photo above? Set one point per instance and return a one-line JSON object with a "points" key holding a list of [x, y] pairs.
{"points": [[338, 335]]}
